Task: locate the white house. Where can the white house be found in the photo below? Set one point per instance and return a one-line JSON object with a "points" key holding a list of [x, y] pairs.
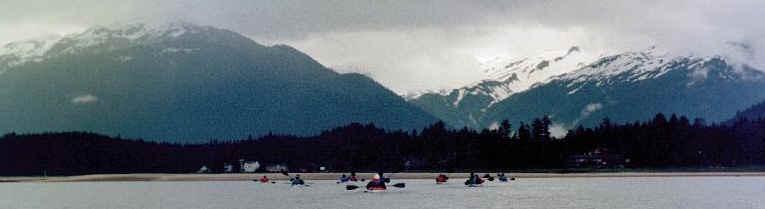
{"points": [[204, 169], [250, 167], [276, 168]]}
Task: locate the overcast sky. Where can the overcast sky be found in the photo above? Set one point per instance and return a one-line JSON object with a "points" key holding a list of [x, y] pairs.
{"points": [[426, 44]]}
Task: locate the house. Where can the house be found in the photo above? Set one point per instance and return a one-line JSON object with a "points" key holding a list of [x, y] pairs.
{"points": [[250, 166], [598, 158], [276, 168], [204, 169]]}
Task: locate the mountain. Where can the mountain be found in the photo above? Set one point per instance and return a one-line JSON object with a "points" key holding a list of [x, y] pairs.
{"points": [[180, 81], [626, 87], [504, 76], [635, 86], [755, 112]]}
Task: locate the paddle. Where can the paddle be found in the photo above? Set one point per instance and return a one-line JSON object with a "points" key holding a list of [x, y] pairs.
{"points": [[488, 177], [399, 185], [292, 179], [286, 174], [353, 187]]}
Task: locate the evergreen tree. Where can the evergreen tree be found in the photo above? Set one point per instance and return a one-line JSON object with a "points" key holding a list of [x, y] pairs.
{"points": [[540, 129], [546, 123], [505, 129], [524, 134]]}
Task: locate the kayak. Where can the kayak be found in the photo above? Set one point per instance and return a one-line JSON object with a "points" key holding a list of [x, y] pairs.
{"points": [[467, 182], [441, 180], [475, 185], [376, 189], [301, 183]]}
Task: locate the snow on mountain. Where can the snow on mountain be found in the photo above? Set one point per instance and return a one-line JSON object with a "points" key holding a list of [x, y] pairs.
{"points": [[136, 33], [550, 62], [17, 53], [21, 52], [635, 85], [559, 76], [520, 74], [505, 76], [138, 80], [636, 66]]}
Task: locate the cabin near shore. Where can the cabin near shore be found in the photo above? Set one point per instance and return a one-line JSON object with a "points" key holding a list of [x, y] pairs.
{"points": [[598, 158], [249, 166]]}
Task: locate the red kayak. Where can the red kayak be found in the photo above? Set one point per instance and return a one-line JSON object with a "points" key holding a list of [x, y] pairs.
{"points": [[376, 188], [441, 179]]}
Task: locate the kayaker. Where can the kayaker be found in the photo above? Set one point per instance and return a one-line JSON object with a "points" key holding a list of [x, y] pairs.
{"points": [[297, 181], [502, 177], [441, 178], [377, 183], [343, 179], [474, 180], [264, 179], [487, 176], [353, 177]]}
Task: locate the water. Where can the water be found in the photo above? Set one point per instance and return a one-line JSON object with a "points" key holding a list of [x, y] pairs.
{"points": [[652, 192]]}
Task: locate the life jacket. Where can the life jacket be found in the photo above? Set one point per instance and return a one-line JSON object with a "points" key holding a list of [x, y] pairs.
{"points": [[353, 178], [376, 184], [264, 179]]}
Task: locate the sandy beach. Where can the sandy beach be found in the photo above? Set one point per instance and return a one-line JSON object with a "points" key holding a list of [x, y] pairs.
{"points": [[333, 176]]}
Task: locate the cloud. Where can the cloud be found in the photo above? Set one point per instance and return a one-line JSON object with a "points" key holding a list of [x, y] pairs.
{"points": [[589, 108], [494, 126], [558, 130], [425, 44], [84, 99], [587, 111]]}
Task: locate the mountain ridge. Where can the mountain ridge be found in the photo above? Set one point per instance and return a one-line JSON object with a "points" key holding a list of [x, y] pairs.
{"points": [[604, 74], [204, 83]]}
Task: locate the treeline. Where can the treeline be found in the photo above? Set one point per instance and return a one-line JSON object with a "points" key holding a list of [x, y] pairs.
{"points": [[658, 143]]}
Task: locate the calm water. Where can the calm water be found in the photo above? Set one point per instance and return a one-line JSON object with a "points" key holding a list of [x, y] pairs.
{"points": [[679, 192]]}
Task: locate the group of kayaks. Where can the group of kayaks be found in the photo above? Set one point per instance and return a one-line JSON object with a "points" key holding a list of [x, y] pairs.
{"points": [[294, 181], [378, 182], [475, 181]]}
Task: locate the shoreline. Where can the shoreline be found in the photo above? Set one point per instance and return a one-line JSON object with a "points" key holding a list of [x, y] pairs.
{"points": [[163, 177]]}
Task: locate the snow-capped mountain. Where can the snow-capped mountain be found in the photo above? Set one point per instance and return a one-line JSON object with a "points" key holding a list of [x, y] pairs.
{"points": [[504, 76], [653, 63], [18, 53], [518, 75], [625, 87], [180, 82], [93, 40]]}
